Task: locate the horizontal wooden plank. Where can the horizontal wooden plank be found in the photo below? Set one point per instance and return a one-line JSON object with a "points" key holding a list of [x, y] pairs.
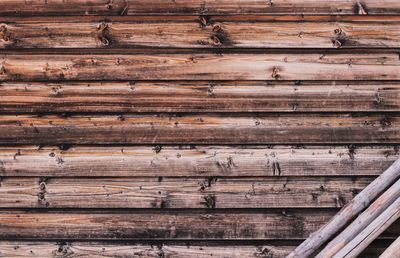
{"points": [[200, 129], [134, 7], [183, 161], [199, 97], [205, 66], [205, 32], [263, 225], [176, 250], [254, 192]]}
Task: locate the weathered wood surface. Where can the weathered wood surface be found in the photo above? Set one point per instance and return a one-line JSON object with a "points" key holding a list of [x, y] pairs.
{"points": [[364, 220], [155, 250], [205, 32], [195, 66], [355, 246], [134, 7], [200, 97], [144, 224], [392, 250], [253, 192], [193, 129], [349, 212], [185, 161]]}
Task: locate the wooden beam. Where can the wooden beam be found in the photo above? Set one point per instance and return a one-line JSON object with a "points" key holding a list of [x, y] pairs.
{"points": [[361, 222], [200, 66], [186, 161], [204, 7], [371, 232], [199, 129], [348, 213], [199, 97]]}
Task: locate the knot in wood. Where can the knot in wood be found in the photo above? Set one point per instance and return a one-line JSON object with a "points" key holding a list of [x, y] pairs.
{"points": [[275, 74], [336, 43], [204, 20], [4, 33], [361, 9], [338, 31], [216, 40], [217, 28], [103, 33]]}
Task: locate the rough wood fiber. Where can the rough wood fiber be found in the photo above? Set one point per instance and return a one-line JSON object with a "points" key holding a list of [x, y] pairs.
{"points": [[134, 7], [282, 192], [199, 97], [267, 66], [183, 161], [141, 225], [206, 32], [193, 129]]}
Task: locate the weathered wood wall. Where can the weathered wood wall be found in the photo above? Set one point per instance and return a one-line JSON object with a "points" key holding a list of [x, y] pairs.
{"points": [[133, 128]]}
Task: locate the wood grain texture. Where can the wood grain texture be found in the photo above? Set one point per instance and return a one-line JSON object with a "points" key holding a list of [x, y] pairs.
{"points": [[175, 250], [134, 7], [142, 225], [200, 32], [199, 97], [283, 192], [199, 129], [363, 221], [185, 161], [267, 66], [372, 195]]}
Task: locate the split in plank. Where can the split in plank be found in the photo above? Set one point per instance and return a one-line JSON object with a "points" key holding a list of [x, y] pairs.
{"points": [[254, 192], [200, 129], [200, 32], [253, 96], [195, 161], [204, 66], [134, 7], [164, 224]]}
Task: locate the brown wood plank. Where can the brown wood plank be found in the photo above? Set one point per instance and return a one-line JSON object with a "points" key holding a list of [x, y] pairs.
{"points": [[199, 97], [196, 161], [134, 7], [102, 225], [193, 32], [176, 250], [200, 129], [206, 66], [254, 192], [187, 161]]}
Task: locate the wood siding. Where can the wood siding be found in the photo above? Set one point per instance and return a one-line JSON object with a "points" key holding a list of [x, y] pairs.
{"points": [[191, 128]]}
